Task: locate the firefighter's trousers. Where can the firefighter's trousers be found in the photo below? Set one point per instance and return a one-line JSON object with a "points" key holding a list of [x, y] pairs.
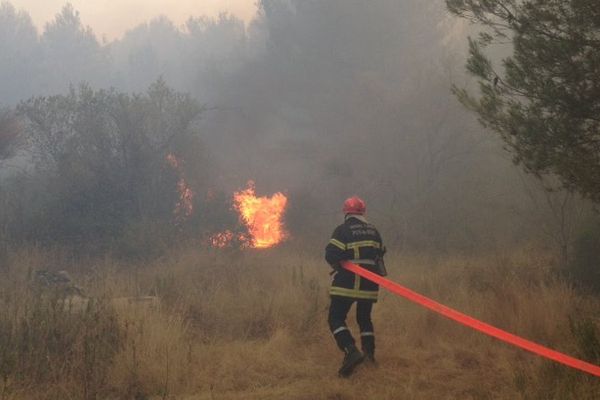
{"points": [[338, 310]]}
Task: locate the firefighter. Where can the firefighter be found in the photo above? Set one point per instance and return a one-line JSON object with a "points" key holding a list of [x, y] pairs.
{"points": [[358, 241]]}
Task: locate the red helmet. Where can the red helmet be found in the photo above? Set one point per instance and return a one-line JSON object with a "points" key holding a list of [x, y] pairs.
{"points": [[354, 205]]}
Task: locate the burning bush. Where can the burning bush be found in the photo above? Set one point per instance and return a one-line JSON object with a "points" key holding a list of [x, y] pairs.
{"points": [[261, 218]]}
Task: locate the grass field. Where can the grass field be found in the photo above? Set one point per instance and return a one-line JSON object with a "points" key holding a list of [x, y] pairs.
{"points": [[252, 325]]}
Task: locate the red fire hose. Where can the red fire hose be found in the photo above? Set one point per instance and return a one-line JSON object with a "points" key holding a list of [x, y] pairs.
{"points": [[474, 323]]}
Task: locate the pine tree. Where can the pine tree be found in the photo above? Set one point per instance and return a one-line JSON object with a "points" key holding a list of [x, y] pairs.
{"points": [[544, 99]]}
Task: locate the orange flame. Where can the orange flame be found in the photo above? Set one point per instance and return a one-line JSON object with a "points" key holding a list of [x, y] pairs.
{"points": [[185, 206], [263, 216]]}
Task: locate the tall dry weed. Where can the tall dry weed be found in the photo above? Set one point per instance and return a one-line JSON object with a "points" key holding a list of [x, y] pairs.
{"points": [[45, 344], [252, 325]]}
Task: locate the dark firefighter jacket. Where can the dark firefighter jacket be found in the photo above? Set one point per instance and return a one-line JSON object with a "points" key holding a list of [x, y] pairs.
{"points": [[359, 242]]}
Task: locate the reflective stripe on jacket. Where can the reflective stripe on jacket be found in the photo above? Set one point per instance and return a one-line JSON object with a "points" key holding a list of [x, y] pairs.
{"points": [[358, 241]]}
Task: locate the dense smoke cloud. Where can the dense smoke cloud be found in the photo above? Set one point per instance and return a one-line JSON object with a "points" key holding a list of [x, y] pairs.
{"points": [[320, 99]]}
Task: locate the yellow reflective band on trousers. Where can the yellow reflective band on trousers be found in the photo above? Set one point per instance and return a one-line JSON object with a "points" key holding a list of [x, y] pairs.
{"points": [[338, 244], [356, 294]]}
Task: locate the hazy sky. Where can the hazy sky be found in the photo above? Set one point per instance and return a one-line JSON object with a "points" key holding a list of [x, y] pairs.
{"points": [[113, 17]]}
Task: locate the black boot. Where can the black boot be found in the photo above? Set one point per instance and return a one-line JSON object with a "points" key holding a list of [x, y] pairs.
{"points": [[352, 358], [368, 348], [369, 357]]}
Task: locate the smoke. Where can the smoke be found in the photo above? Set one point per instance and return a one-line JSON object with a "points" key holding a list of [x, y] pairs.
{"points": [[318, 99]]}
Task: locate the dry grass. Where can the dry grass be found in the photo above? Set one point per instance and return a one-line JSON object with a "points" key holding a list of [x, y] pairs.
{"points": [[253, 325]]}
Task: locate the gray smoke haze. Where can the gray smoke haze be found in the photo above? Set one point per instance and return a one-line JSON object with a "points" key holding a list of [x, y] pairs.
{"points": [[320, 99]]}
